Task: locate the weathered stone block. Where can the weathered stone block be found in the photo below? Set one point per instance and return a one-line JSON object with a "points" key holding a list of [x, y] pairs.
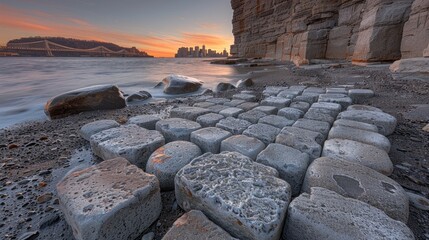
{"points": [[308, 98], [339, 218], [313, 125], [290, 163], [277, 102], [89, 129], [245, 184], [303, 106], [335, 108], [218, 100], [234, 103], [248, 146], [209, 120], [190, 113], [341, 99], [385, 123], [336, 90], [288, 93], [315, 111], [248, 106], [269, 110], [245, 97], [359, 95], [359, 182], [266, 133], [217, 108], [291, 113], [357, 152], [233, 125], [252, 116], [175, 129], [194, 225], [204, 104], [130, 142], [209, 139], [167, 160], [276, 121], [301, 139], [319, 116], [111, 200], [231, 112], [356, 124], [363, 107], [144, 121]]}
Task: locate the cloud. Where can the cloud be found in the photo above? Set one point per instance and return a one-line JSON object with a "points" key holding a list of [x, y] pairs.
{"points": [[210, 26]]}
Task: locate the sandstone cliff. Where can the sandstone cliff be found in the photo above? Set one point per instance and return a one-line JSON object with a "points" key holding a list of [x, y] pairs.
{"points": [[357, 30]]}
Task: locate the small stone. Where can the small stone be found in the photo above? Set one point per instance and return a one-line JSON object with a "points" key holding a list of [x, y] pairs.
{"points": [[291, 113], [12, 146], [290, 163], [231, 112], [276, 121], [269, 110], [418, 201], [426, 128], [222, 87], [248, 146], [264, 132], [190, 113], [209, 120], [149, 236], [303, 106], [277, 102], [385, 123], [248, 82], [245, 97], [44, 198], [139, 96], [175, 129], [359, 95], [209, 139], [301, 139], [167, 160], [356, 125], [145, 121], [233, 125], [252, 116]]}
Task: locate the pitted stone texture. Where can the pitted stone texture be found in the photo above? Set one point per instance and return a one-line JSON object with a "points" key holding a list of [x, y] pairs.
{"points": [[277, 102], [364, 154], [291, 113], [167, 160], [233, 125], [269, 110], [234, 103], [209, 139], [231, 112], [111, 200], [324, 214], [190, 113], [248, 105], [359, 95], [319, 116], [175, 129], [290, 163], [335, 108], [277, 121], [264, 132], [218, 100], [87, 130], [356, 124], [359, 182], [204, 104], [301, 139], [243, 197], [336, 90], [363, 107], [310, 98], [371, 138], [315, 111], [248, 146], [303, 106], [245, 97], [313, 125], [341, 99], [252, 116], [217, 108], [209, 120], [145, 121], [194, 225], [132, 142], [385, 123]]}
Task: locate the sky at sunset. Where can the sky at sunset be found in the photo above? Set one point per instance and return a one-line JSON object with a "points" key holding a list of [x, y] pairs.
{"points": [[158, 27]]}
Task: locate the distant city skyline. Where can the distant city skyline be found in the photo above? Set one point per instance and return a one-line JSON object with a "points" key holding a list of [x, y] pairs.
{"points": [[157, 27], [196, 52]]}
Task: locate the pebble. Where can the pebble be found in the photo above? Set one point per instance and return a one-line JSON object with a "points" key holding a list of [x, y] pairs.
{"points": [[426, 128], [44, 198], [13, 146], [148, 236]]}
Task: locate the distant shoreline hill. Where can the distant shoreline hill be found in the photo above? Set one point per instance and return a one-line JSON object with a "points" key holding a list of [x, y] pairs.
{"points": [[67, 47]]}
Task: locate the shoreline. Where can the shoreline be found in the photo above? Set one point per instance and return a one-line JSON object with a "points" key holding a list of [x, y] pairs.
{"points": [[50, 145]]}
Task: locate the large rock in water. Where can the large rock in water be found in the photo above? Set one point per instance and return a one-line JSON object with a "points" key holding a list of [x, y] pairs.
{"points": [[111, 200], [99, 97], [178, 84]]}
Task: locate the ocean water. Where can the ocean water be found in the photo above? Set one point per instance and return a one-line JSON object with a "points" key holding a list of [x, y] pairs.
{"points": [[27, 83]]}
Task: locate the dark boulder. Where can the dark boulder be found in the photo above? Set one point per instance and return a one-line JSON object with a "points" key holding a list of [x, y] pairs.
{"points": [[245, 83], [221, 87], [139, 96], [178, 84]]}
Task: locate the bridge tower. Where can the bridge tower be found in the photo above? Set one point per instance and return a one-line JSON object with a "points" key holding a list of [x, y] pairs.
{"points": [[48, 49]]}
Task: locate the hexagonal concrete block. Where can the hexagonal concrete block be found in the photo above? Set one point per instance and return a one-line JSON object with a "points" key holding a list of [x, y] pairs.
{"points": [[233, 125], [303, 106], [145, 121], [175, 129], [290, 163], [89, 129], [190, 113], [371, 138], [301, 139], [252, 116], [209, 139], [291, 113], [264, 132], [341, 99], [130, 141], [245, 97], [111, 200], [231, 112], [357, 152], [356, 181], [385, 123], [248, 189], [269, 110], [356, 124], [194, 225], [324, 214], [313, 125], [167, 160], [359, 95], [209, 120], [276, 121], [248, 146], [277, 102]]}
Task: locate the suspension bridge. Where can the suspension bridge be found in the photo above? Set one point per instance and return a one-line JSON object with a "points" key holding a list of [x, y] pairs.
{"points": [[51, 49]]}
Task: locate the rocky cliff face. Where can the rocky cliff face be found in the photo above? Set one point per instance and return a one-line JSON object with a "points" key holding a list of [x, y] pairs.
{"points": [[357, 30]]}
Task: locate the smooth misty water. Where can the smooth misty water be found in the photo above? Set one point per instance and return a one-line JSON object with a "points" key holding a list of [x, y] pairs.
{"points": [[27, 83]]}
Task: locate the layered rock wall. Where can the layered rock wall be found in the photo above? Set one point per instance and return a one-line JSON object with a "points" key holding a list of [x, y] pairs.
{"points": [[358, 30]]}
